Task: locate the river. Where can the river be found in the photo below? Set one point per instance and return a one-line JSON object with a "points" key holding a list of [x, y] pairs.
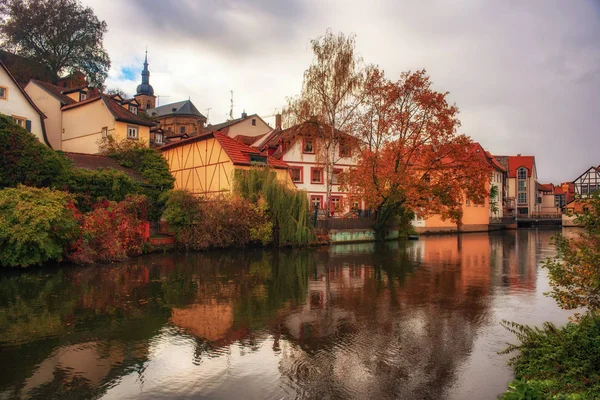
{"points": [[408, 320]]}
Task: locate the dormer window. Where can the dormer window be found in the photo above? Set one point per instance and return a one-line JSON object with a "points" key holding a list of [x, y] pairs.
{"points": [[522, 173], [133, 109], [258, 160], [158, 138], [82, 96]]}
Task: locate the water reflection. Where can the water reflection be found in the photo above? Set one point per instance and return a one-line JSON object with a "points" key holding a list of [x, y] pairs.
{"points": [[399, 320]]}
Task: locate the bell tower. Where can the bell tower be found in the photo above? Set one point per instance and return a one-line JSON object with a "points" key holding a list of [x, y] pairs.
{"points": [[145, 92]]}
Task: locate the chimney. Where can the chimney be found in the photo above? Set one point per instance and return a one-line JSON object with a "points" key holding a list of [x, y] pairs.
{"points": [[244, 115], [278, 121]]}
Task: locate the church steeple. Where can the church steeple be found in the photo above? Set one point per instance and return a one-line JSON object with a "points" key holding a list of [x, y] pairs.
{"points": [[145, 88]]}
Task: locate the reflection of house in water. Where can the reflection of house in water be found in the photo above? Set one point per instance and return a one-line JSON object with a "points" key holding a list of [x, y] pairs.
{"points": [[373, 330]]}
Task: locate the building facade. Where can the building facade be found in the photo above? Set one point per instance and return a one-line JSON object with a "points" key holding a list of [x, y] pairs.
{"points": [[18, 105], [522, 197], [205, 165]]}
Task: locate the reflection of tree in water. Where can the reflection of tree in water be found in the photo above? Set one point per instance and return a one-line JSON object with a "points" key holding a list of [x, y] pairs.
{"points": [[385, 329]]}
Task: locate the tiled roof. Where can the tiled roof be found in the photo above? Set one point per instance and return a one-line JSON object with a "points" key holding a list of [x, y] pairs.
{"points": [[515, 162], [545, 187], [248, 140], [494, 162], [185, 107], [117, 110], [124, 115], [96, 162], [74, 89], [240, 153], [55, 91]]}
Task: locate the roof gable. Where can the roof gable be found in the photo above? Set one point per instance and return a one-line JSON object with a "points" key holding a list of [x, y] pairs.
{"points": [[515, 162], [223, 125], [12, 78], [54, 91]]}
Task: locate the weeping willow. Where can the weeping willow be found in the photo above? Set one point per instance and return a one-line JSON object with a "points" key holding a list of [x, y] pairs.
{"points": [[289, 209]]}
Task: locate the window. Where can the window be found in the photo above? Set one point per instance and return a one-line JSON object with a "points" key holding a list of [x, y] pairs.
{"points": [[3, 93], [258, 159], [148, 105], [522, 198], [522, 185], [336, 204], [316, 175], [356, 205], [308, 146], [316, 201], [253, 121], [522, 173], [82, 96], [182, 130], [105, 132], [132, 132], [335, 176], [22, 122], [133, 109], [296, 174], [584, 188], [345, 150], [158, 138]]}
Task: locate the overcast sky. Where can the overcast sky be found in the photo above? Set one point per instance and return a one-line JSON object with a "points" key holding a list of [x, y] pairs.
{"points": [[525, 74]]}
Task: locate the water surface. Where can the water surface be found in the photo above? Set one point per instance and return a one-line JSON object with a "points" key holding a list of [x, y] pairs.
{"points": [[409, 320]]}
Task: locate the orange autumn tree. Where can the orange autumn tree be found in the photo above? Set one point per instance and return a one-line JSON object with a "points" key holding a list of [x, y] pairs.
{"points": [[413, 159]]}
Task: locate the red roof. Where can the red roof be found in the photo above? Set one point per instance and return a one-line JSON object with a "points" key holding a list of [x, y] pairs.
{"points": [[56, 91], [240, 153], [545, 187], [515, 162]]}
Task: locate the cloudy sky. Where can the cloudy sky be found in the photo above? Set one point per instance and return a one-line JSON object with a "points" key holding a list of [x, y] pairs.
{"points": [[525, 74]]}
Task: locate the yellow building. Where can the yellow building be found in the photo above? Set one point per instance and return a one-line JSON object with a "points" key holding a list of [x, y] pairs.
{"points": [[86, 123], [205, 165]]}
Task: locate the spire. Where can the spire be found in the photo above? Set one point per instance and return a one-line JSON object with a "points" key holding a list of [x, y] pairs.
{"points": [[145, 87]]}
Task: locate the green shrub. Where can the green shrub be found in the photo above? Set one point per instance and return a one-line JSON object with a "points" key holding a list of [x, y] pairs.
{"points": [[88, 187], [153, 167], [26, 161], [35, 225], [556, 362], [226, 222]]}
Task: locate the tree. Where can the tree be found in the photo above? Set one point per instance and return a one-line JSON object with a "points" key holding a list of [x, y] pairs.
{"points": [[575, 271], [63, 35], [330, 97], [494, 200], [26, 161], [413, 159]]}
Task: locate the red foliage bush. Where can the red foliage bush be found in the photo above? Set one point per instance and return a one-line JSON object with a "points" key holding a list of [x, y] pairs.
{"points": [[111, 232]]}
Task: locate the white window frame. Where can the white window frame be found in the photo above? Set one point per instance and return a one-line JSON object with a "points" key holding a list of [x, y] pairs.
{"points": [[82, 96], [20, 120], [524, 194], [156, 136], [105, 132], [133, 109], [133, 132], [524, 170]]}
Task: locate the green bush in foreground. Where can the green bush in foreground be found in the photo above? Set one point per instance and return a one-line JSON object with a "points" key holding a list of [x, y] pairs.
{"points": [[556, 363], [35, 225]]}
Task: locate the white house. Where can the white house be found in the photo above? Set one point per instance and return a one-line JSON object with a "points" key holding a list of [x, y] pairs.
{"points": [[17, 104], [300, 147]]}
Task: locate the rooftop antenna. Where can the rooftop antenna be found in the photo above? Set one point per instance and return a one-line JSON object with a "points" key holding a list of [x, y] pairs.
{"points": [[208, 113], [231, 108], [158, 99]]}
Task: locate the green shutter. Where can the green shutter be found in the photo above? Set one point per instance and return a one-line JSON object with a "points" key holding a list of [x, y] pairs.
{"points": [[28, 125]]}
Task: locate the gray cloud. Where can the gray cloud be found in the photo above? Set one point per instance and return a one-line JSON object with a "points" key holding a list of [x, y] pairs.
{"points": [[525, 75]]}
